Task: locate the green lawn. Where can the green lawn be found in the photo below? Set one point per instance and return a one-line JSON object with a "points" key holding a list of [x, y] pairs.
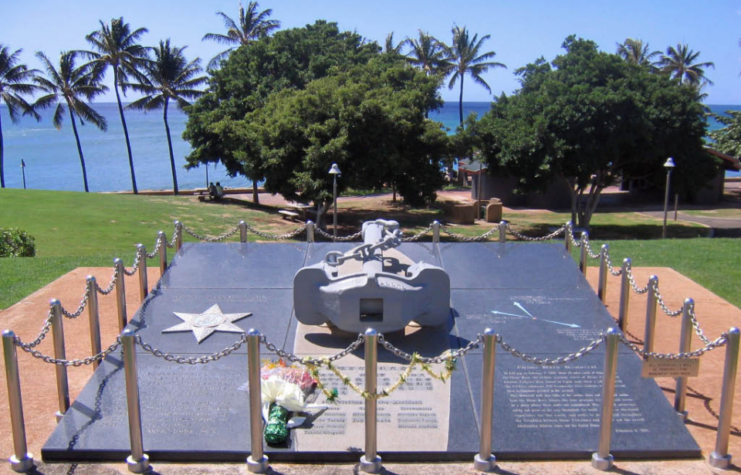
{"points": [[79, 229]]}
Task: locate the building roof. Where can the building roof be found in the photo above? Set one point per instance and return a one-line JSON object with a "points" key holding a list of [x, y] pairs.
{"points": [[474, 168], [729, 162]]}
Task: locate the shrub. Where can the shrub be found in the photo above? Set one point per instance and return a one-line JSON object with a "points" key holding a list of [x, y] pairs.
{"points": [[16, 243]]}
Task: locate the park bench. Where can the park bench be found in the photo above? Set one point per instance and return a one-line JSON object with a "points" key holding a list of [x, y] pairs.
{"points": [[288, 214]]}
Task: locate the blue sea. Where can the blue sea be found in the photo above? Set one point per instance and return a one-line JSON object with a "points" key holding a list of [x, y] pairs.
{"points": [[52, 162]]}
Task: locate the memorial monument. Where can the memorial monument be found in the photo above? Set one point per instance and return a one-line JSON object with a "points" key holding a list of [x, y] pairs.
{"points": [[312, 299]]}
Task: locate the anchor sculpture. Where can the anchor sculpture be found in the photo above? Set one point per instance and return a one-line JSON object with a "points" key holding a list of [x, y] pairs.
{"points": [[373, 285]]}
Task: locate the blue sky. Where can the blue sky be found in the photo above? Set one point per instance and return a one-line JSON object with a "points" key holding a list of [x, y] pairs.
{"points": [[520, 31]]}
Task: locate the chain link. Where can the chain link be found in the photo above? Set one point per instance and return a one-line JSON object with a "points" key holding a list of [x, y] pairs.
{"points": [[710, 346], [696, 326], [277, 237], [461, 238], [351, 237], [663, 306], [28, 348], [632, 280], [194, 360], [547, 237], [314, 361], [435, 359], [209, 239], [135, 267], [174, 239], [42, 334], [110, 287], [616, 273], [548, 361], [570, 234], [419, 235], [593, 255], [81, 307], [156, 250]]}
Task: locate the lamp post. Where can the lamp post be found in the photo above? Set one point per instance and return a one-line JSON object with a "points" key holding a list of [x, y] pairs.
{"points": [[334, 171], [23, 171], [669, 165]]}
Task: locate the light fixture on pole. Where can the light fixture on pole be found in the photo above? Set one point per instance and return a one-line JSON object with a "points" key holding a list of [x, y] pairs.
{"points": [[23, 170], [669, 165], [334, 171]]}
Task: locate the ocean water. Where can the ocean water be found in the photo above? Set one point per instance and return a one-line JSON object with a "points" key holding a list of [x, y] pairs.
{"points": [[52, 162]]}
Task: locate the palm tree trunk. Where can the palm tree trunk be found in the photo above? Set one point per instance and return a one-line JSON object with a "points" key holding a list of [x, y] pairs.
{"points": [[255, 194], [2, 156], [79, 148], [169, 145], [126, 132], [460, 100]]}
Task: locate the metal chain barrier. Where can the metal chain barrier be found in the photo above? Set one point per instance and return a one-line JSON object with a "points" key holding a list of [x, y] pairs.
{"points": [[570, 233], [548, 361], [351, 237], [156, 250], [135, 267], [663, 306], [547, 237], [616, 273], [419, 235], [44, 330], [110, 287], [276, 237], [593, 255], [632, 280], [28, 348], [436, 359], [207, 238], [710, 346], [312, 361], [696, 326], [461, 238], [174, 239], [80, 308], [194, 360]]}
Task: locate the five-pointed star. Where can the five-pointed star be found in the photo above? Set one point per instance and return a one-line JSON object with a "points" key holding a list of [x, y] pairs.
{"points": [[204, 324]]}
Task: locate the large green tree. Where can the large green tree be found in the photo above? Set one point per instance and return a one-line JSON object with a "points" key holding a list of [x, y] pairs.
{"points": [[467, 58], [370, 120], [169, 76], [728, 139], [250, 25], [117, 47], [71, 85], [429, 54], [15, 82], [588, 119], [288, 60], [637, 52], [680, 63]]}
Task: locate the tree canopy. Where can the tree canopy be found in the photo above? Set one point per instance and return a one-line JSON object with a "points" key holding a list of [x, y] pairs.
{"points": [[589, 118], [728, 139]]}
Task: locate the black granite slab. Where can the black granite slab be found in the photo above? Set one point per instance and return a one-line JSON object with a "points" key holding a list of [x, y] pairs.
{"points": [[510, 266], [552, 412], [235, 266]]}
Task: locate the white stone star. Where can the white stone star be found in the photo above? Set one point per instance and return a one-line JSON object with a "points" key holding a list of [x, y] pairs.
{"points": [[204, 324]]}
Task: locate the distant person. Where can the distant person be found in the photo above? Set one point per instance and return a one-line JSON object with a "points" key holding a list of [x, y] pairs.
{"points": [[211, 190], [219, 191]]}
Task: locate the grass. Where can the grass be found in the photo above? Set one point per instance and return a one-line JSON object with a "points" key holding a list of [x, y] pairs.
{"points": [[79, 229]]}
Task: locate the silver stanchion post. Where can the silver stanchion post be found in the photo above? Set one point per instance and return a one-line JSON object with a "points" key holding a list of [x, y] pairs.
{"points": [[257, 462], [371, 462], [57, 331], [583, 254], [484, 461], [94, 318], [178, 236], [602, 283], [648, 338], [685, 342], [138, 461], [21, 461], [120, 293], [436, 231], [602, 459], [567, 234], [720, 458], [624, 296], [309, 231], [242, 232], [143, 284], [163, 252], [502, 231]]}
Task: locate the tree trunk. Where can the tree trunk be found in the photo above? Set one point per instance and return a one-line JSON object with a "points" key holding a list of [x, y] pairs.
{"points": [[572, 195], [126, 132], [169, 145], [2, 156], [460, 101], [321, 211], [255, 194], [79, 148], [393, 188]]}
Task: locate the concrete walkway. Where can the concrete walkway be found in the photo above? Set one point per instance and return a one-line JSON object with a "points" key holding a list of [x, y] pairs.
{"points": [[39, 389], [721, 227]]}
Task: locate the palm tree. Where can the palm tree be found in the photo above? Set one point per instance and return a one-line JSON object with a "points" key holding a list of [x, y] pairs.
{"points": [[168, 76], [680, 64], [13, 83], [429, 54], [250, 26], [466, 58], [118, 48], [389, 45], [636, 52], [70, 85]]}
